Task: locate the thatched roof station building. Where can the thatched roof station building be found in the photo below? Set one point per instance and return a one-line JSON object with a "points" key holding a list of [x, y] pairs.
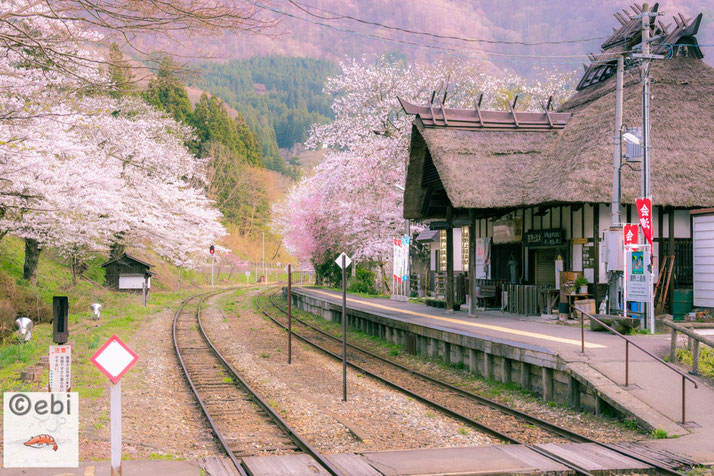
{"points": [[531, 187]]}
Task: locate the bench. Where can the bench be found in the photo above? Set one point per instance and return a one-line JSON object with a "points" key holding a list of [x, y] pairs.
{"points": [[485, 292]]}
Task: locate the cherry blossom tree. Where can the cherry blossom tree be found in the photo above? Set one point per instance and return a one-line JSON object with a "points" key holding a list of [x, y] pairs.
{"points": [[353, 202], [79, 168]]}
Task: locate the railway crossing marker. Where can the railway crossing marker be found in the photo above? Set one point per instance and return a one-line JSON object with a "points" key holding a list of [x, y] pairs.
{"points": [[114, 359], [343, 261]]}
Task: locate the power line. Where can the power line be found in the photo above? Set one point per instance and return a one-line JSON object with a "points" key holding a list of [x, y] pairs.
{"points": [[338, 16], [434, 48]]}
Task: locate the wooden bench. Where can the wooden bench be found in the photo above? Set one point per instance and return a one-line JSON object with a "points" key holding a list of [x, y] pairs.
{"points": [[485, 292]]}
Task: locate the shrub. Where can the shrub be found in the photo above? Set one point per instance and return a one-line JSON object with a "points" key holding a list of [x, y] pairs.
{"points": [[363, 282]]}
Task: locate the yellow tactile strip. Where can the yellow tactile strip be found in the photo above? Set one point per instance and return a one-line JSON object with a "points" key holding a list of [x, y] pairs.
{"points": [[505, 330]]}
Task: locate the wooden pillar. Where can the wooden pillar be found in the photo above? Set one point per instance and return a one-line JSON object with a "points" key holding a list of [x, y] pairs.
{"points": [[449, 263], [472, 266]]}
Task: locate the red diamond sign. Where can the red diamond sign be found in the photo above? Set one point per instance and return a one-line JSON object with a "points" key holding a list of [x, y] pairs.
{"points": [[114, 358]]}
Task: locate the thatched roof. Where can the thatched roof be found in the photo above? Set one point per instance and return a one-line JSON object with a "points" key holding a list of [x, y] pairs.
{"points": [[485, 169]]}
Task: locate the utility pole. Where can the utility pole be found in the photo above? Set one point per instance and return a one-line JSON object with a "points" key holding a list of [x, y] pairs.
{"points": [[616, 219], [646, 136], [264, 275]]}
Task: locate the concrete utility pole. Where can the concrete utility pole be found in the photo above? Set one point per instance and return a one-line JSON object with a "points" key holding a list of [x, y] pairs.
{"points": [[646, 136], [265, 276], [616, 219]]}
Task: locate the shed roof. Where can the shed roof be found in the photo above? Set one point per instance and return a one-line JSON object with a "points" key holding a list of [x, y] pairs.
{"points": [[127, 257], [487, 169]]}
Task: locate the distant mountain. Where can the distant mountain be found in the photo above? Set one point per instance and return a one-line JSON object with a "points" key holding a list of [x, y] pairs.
{"points": [[503, 20]]}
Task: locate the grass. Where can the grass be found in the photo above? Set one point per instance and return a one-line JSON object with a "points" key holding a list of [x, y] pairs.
{"points": [[706, 359], [501, 392], [659, 434]]}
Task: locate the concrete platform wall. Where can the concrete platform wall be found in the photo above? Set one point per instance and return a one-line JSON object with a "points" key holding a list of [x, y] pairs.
{"points": [[532, 368]]}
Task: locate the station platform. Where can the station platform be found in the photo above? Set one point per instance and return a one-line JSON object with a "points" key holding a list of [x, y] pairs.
{"points": [[653, 396]]}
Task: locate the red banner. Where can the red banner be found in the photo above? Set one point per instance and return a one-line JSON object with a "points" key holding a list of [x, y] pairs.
{"points": [[644, 211], [631, 233]]}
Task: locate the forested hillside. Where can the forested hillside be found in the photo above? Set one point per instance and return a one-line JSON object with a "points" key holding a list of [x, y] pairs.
{"points": [[279, 97]]}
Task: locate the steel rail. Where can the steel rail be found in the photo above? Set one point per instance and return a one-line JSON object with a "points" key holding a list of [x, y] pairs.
{"points": [[508, 410], [214, 427], [277, 419], [452, 413]]}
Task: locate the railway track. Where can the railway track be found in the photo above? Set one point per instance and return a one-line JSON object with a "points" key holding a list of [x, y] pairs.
{"points": [[502, 422], [244, 424]]}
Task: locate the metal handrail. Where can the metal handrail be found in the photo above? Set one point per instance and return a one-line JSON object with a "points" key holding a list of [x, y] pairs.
{"points": [[627, 355]]}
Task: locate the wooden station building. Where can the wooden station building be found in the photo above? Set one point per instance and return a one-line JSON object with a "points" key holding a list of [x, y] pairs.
{"points": [[527, 188]]}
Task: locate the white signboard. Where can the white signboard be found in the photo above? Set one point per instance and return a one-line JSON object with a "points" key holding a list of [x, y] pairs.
{"points": [[339, 260], [40, 430], [60, 368], [637, 261], [133, 282], [483, 258]]}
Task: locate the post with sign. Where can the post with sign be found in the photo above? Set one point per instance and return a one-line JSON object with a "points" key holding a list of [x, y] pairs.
{"points": [[343, 261], [114, 359], [247, 277], [212, 250], [644, 212], [290, 314]]}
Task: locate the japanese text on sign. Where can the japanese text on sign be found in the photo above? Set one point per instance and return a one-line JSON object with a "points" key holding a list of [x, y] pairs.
{"points": [[60, 368]]}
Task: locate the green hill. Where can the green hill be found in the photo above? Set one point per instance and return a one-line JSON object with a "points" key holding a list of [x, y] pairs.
{"points": [[280, 97]]}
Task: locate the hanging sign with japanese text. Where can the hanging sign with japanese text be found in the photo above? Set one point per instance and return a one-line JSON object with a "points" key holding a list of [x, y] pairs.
{"points": [[644, 211], [631, 232], [60, 368]]}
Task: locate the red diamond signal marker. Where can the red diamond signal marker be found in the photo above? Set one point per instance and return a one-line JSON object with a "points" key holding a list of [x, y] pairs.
{"points": [[114, 358]]}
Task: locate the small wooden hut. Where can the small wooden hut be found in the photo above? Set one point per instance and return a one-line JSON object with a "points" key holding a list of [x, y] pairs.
{"points": [[128, 273]]}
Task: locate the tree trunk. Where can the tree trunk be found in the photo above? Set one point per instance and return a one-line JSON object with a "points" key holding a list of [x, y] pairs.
{"points": [[73, 267], [116, 250], [32, 257]]}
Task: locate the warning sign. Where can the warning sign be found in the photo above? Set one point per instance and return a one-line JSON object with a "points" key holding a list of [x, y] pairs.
{"points": [[60, 368]]}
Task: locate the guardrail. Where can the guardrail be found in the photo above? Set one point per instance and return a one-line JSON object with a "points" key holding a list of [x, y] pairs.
{"points": [[628, 341], [694, 340]]}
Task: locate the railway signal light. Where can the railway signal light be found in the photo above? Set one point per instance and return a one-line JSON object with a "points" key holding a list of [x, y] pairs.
{"points": [[212, 249]]}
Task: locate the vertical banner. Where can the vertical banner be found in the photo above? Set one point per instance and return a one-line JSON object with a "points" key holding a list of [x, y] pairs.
{"points": [[397, 261], [631, 232], [644, 211], [405, 258], [400, 264]]}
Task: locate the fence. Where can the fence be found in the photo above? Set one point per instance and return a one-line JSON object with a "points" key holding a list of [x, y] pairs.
{"points": [[694, 340]]}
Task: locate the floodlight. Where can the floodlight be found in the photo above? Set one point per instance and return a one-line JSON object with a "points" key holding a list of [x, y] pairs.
{"points": [[96, 307], [631, 138], [25, 326]]}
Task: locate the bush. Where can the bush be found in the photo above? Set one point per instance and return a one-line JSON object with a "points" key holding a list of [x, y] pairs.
{"points": [[363, 282], [19, 301]]}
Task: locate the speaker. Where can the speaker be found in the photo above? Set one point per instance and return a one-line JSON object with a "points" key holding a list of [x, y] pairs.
{"points": [[60, 322]]}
